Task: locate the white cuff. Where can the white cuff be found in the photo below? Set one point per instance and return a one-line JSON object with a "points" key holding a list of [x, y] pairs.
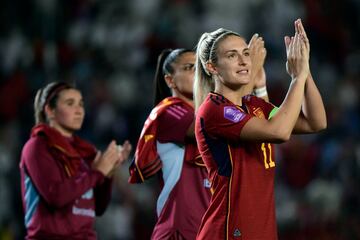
{"points": [[260, 92]]}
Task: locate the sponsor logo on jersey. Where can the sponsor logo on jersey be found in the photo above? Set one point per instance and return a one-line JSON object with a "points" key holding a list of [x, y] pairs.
{"points": [[207, 183], [88, 195], [83, 212], [237, 233]]}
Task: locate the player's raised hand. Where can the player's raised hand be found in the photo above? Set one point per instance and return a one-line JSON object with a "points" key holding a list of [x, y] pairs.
{"points": [[257, 53], [105, 162], [297, 54], [124, 151], [299, 28]]}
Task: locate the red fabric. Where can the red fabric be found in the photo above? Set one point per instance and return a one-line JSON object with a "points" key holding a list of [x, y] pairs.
{"points": [[242, 205], [56, 205], [174, 123], [146, 162], [68, 155], [189, 198], [185, 205]]}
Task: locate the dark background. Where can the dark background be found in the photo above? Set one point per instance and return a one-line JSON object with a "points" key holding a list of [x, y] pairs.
{"points": [[109, 49]]}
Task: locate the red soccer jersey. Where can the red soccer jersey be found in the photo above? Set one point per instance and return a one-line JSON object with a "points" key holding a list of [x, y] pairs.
{"points": [[185, 195], [241, 172]]}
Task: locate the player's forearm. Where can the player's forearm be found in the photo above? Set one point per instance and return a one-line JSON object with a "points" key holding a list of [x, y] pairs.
{"points": [[284, 120], [259, 87], [103, 196], [313, 107]]}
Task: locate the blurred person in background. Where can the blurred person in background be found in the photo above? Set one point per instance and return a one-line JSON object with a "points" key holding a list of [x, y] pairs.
{"points": [[235, 131], [65, 180], [167, 148]]}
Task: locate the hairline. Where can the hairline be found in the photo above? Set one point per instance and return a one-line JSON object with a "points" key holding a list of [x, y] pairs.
{"points": [[222, 37]]}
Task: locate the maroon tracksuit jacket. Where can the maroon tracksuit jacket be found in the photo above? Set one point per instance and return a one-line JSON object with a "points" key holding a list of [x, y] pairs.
{"points": [[58, 206]]}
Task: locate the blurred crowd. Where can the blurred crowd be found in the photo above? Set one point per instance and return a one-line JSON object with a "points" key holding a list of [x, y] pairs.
{"points": [[109, 49]]}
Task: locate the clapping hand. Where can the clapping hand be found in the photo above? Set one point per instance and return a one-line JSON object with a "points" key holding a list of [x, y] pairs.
{"points": [[297, 53], [113, 157], [258, 55]]}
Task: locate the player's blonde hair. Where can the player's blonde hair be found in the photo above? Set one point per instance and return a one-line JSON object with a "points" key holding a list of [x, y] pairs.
{"points": [[206, 51]]}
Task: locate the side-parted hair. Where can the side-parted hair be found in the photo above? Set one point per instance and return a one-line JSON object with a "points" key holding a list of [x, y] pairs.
{"points": [[48, 95], [206, 51], [164, 66]]}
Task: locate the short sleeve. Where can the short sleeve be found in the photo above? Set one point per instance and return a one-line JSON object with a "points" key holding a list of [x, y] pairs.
{"points": [[224, 121], [174, 123]]}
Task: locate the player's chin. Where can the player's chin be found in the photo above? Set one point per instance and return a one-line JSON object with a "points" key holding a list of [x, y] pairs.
{"points": [[243, 80], [76, 126]]}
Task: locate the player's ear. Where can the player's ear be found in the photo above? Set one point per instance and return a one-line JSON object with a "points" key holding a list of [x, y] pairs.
{"points": [[169, 80], [49, 112], [211, 68]]}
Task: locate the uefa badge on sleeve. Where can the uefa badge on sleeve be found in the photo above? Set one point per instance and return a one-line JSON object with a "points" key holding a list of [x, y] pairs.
{"points": [[233, 114]]}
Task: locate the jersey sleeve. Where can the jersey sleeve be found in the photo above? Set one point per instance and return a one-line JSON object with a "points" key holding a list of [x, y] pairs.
{"points": [[46, 175], [224, 121], [174, 123]]}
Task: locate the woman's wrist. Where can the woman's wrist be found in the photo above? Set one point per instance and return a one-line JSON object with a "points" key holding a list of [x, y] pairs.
{"points": [[261, 91]]}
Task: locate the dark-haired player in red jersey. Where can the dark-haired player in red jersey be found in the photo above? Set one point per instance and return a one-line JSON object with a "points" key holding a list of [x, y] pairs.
{"points": [[65, 182], [167, 147], [235, 130]]}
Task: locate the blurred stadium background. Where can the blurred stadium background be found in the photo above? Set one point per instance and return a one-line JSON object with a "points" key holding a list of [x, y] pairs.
{"points": [[109, 49]]}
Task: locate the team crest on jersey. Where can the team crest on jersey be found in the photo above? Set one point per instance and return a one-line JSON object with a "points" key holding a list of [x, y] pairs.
{"points": [[259, 113], [233, 114]]}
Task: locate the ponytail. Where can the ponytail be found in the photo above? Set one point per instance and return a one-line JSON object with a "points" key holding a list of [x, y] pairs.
{"points": [[161, 90], [203, 83]]}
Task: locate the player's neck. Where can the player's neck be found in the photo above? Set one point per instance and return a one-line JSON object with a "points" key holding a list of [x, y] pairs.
{"points": [[187, 99], [235, 96]]}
